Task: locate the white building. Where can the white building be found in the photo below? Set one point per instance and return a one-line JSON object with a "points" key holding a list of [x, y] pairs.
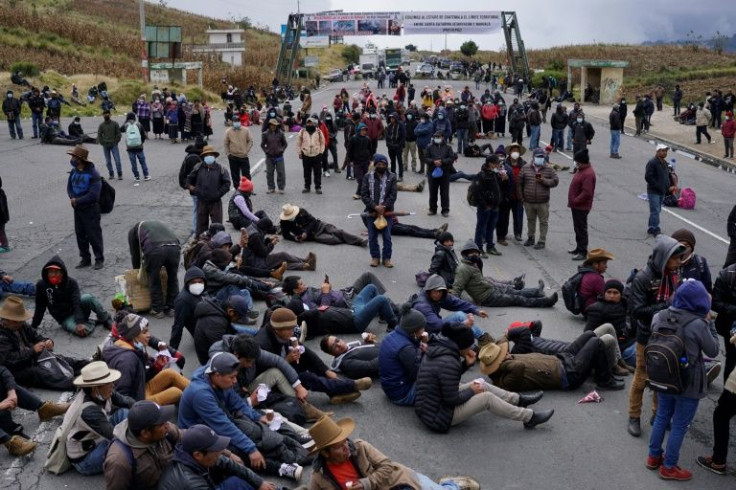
{"points": [[230, 43]]}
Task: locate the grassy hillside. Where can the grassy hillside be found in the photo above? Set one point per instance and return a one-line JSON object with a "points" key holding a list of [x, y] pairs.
{"points": [[100, 38]]}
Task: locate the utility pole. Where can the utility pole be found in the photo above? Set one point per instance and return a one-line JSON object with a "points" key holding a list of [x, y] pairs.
{"points": [[144, 45]]}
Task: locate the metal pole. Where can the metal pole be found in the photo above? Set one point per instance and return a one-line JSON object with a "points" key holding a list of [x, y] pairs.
{"points": [[144, 46]]}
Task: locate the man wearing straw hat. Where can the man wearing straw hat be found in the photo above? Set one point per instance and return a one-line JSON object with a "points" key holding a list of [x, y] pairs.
{"points": [[341, 461], [83, 187], [298, 225], [208, 182]]}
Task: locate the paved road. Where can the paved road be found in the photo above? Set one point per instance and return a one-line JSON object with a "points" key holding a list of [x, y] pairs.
{"points": [[583, 446]]}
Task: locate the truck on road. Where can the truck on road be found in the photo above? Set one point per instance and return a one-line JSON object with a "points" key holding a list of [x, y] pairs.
{"points": [[393, 59]]}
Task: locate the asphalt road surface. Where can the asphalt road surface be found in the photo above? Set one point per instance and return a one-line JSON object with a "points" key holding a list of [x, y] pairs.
{"points": [[584, 446]]}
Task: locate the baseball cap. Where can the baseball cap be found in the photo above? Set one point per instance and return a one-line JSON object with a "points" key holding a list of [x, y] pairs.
{"points": [[239, 304], [662, 147], [145, 414], [201, 438], [221, 363]]}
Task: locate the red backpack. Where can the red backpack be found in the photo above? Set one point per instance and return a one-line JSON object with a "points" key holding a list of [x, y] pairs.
{"points": [[687, 199]]}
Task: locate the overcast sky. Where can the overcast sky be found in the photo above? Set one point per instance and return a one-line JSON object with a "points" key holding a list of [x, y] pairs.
{"points": [[542, 23]]}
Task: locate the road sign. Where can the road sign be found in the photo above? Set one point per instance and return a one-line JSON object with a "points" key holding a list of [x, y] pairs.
{"points": [[310, 61]]}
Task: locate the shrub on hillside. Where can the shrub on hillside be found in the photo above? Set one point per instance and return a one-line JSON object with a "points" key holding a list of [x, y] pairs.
{"points": [[27, 68]]}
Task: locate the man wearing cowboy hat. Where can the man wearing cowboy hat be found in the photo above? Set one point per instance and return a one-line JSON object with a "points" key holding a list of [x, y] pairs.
{"points": [[83, 187], [92, 417], [13, 396], [379, 195], [533, 188], [238, 142], [593, 282], [208, 181], [341, 460], [297, 225], [21, 345]]}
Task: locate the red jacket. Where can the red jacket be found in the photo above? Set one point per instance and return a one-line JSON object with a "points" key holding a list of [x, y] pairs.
{"points": [[728, 128], [375, 128], [325, 132], [582, 189], [591, 287]]}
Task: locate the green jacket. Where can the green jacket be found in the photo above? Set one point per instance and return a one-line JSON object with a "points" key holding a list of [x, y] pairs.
{"points": [[469, 278], [526, 372], [108, 134]]}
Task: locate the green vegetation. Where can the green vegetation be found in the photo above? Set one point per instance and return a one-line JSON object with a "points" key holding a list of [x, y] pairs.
{"points": [[469, 48], [351, 53], [26, 68]]}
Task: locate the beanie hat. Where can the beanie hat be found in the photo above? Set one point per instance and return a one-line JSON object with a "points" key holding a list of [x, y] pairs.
{"points": [[131, 326], [283, 318], [582, 156], [245, 185], [221, 238], [692, 296], [500, 150], [411, 320], [458, 333], [613, 284], [683, 235], [380, 158], [221, 258]]}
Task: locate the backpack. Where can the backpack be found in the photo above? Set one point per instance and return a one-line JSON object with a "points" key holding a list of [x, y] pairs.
{"points": [[57, 461], [133, 135], [687, 199], [472, 195], [571, 290], [665, 359], [107, 197]]}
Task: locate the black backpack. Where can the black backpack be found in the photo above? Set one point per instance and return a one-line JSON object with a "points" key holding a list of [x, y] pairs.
{"points": [[665, 359], [571, 290], [107, 197]]}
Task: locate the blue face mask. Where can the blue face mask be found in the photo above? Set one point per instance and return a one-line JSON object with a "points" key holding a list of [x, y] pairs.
{"points": [[409, 117], [209, 159], [73, 162], [539, 162], [139, 346], [441, 116], [236, 125]]}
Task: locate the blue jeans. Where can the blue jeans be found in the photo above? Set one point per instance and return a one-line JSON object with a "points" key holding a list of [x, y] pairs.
{"points": [[426, 483], [368, 304], [115, 152], [485, 226], [615, 141], [92, 463], [18, 287], [224, 293], [36, 120], [134, 165], [461, 175], [240, 328], [409, 398], [462, 140], [629, 355], [459, 317], [373, 234], [536, 131], [679, 411], [233, 483], [194, 214], [15, 127], [558, 138], [655, 207]]}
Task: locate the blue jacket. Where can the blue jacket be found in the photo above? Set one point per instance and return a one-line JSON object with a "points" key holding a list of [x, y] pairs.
{"points": [[431, 309], [201, 403], [443, 125], [424, 132], [84, 186], [398, 363]]}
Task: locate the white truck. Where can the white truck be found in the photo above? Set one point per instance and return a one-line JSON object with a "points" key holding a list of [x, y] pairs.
{"points": [[368, 65]]}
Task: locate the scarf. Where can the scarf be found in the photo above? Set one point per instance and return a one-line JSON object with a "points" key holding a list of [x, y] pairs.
{"points": [[372, 186], [667, 286]]}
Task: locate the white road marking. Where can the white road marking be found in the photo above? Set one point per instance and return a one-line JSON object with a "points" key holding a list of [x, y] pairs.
{"points": [[559, 152], [257, 166], [694, 225]]}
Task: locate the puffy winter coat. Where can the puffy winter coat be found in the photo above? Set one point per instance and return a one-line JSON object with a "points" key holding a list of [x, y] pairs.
{"points": [[444, 263], [536, 191]]}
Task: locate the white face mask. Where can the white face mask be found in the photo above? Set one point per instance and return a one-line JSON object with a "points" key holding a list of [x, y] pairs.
{"points": [[580, 119], [209, 159], [437, 141], [196, 289], [515, 155], [539, 161]]}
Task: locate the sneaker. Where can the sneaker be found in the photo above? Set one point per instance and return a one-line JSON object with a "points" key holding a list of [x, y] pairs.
{"points": [[281, 191], [707, 463], [290, 470], [137, 179], [387, 263], [579, 257], [517, 238], [270, 191], [503, 242], [445, 214], [713, 371], [306, 441], [346, 398], [363, 384], [611, 384], [120, 177], [4, 250], [156, 314], [539, 246], [529, 242], [483, 255], [111, 176], [325, 174], [462, 482], [147, 178], [318, 191], [305, 191], [432, 213], [675, 473], [99, 264], [653, 462], [301, 332], [356, 197], [493, 251], [83, 263]]}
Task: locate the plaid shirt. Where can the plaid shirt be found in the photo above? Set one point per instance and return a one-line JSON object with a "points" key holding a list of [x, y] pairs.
{"points": [[144, 110]]}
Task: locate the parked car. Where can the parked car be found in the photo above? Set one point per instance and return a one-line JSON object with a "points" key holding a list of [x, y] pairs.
{"points": [[336, 75], [425, 70], [456, 65], [445, 64], [367, 69]]}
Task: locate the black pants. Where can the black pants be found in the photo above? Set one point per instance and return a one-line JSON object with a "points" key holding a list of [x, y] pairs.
{"points": [[517, 135], [238, 166], [443, 186], [701, 130], [374, 145], [89, 232], [312, 165], [331, 148], [26, 401], [329, 386], [580, 225], [731, 254], [394, 155], [400, 229], [514, 208], [583, 355], [724, 412], [166, 256], [206, 211], [513, 297]]}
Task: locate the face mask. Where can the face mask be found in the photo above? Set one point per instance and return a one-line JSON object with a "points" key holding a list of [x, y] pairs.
{"points": [[437, 141], [196, 288], [441, 117], [139, 346], [410, 117], [373, 116], [73, 162], [106, 118], [494, 170], [10, 96], [425, 121], [623, 101], [515, 155], [76, 123], [328, 119], [462, 107], [310, 129], [380, 170], [55, 281], [580, 120], [209, 159], [236, 125], [539, 161]]}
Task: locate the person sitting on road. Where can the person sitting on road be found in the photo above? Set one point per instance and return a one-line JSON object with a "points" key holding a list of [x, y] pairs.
{"points": [[93, 415], [143, 378], [297, 225], [185, 303], [223, 282], [210, 243], [442, 401], [60, 294], [277, 337], [469, 278], [341, 460], [200, 460], [355, 359], [592, 283], [258, 258], [76, 131], [142, 447], [215, 319], [435, 297], [612, 308], [241, 213], [444, 261], [51, 134]]}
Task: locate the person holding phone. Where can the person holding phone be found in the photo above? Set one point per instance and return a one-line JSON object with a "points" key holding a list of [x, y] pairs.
{"points": [[533, 188]]}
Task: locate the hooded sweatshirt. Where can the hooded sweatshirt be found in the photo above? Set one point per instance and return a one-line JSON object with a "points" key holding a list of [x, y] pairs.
{"points": [[62, 301], [651, 288], [186, 302]]}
